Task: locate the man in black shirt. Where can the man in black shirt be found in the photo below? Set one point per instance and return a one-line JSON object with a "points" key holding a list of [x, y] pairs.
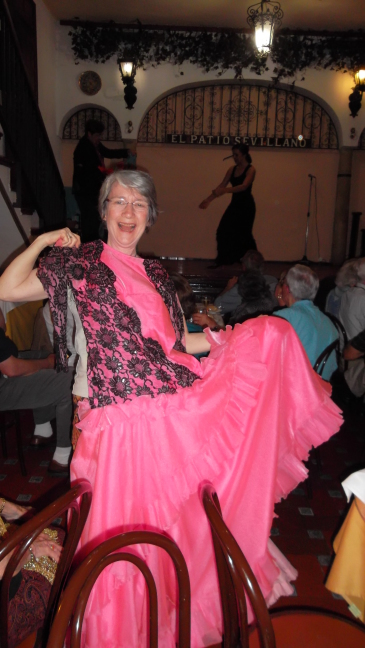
{"points": [[34, 384], [88, 176]]}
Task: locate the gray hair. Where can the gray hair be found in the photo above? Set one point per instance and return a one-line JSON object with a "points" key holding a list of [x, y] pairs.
{"points": [[303, 282], [361, 269], [347, 274], [253, 260], [138, 180]]}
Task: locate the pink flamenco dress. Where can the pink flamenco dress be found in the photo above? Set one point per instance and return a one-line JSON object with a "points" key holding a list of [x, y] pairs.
{"points": [[158, 423]]}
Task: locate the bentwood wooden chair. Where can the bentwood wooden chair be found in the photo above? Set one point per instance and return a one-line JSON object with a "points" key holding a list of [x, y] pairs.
{"points": [[324, 356], [340, 328], [75, 597], [319, 366], [290, 628], [77, 503]]}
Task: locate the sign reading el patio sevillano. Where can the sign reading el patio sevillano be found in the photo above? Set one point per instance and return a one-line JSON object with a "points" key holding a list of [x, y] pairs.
{"points": [[225, 140]]}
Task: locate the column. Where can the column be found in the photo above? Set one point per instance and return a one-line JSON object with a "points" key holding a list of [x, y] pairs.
{"points": [[342, 207]]}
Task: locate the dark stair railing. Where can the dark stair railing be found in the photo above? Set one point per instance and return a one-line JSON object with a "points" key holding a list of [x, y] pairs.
{"points": [[23, 126]]}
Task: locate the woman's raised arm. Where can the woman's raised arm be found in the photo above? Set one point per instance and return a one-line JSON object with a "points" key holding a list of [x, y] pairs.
{"points": [[19, 282]]}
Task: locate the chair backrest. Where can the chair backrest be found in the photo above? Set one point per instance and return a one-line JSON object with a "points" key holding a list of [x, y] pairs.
{"points": [[340, 328], [77, 502], [76, 594], [323, 357], [235, 572]]}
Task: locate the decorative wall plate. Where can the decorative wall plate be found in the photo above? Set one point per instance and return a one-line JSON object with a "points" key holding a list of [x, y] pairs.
{"points": [[90, 82]]}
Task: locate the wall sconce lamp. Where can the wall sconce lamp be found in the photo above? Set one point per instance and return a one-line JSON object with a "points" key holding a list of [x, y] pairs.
{"points": [[356, 96], [128, 71], [264, 17]]}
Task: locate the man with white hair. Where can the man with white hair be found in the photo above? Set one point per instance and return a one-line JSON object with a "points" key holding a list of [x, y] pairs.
{"points": [[352, 309], [314, 329]]}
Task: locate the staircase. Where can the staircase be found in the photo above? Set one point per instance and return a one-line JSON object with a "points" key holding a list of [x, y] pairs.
{"points": [[30, 179], [15, 226]]}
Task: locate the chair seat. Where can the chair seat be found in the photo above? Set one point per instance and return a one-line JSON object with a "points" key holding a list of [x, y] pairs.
{"points": [[310, 629]]}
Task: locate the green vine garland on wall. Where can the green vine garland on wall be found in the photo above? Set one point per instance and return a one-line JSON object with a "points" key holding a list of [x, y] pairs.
{"points": [[292, 52]]}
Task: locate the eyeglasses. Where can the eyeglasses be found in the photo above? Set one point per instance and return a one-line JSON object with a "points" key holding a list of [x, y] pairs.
{"points": [[121, 204]]}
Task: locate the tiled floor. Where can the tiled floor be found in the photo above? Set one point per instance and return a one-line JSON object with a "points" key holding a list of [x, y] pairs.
{"points": [[305, 528]]}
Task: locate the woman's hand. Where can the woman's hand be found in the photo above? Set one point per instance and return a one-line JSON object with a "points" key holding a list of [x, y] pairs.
{"points": [[63, 238], [12, 511], [42, 546], [206, 202], [204, 320], [45, 546]]}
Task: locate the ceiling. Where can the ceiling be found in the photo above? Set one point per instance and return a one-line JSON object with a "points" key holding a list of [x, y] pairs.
{"points": [[298, 14]]}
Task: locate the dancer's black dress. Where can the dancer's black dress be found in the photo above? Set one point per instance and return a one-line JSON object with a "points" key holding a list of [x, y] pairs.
{"points": [[234, 233]]}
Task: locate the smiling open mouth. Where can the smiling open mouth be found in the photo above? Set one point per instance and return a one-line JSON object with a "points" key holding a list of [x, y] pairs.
{"points": [[126, 227]]}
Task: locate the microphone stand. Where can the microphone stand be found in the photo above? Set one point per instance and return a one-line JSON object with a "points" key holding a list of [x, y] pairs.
{"points": [[305, 258]]}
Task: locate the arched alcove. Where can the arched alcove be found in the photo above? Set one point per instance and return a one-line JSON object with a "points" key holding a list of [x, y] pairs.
{"points": [[223, 113], [74, 125]]}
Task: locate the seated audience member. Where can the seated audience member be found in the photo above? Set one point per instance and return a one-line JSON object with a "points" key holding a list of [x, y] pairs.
{"points": [[279, 289], [32, 581], [189, 307], [346, 278], [352, 309], [314, 329], [355, 372], [230, 299], [255, 295], [34, 384]]}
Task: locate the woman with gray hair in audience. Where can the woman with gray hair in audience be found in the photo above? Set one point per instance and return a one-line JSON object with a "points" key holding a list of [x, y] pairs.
{"points": [[256, 297], [346, 278], [314, 329]]}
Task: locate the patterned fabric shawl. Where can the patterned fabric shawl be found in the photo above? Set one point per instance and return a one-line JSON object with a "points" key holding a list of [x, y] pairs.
{"points": [[122, 363]]}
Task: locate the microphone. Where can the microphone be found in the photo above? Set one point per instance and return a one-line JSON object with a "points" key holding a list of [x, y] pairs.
{"points": [[311, 176], [227, 158]]}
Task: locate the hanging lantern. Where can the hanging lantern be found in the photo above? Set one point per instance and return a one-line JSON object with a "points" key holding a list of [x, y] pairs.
{"points": [[359, 74], [128, 71], [264, 17], [355, 97]]}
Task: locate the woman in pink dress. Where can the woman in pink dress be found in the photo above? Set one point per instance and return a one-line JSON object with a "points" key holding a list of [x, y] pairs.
{"points": [[156, 422]]}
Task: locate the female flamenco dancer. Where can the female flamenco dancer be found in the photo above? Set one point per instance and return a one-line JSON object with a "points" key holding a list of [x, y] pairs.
{"points": [[234, 233], [156, 422]]}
